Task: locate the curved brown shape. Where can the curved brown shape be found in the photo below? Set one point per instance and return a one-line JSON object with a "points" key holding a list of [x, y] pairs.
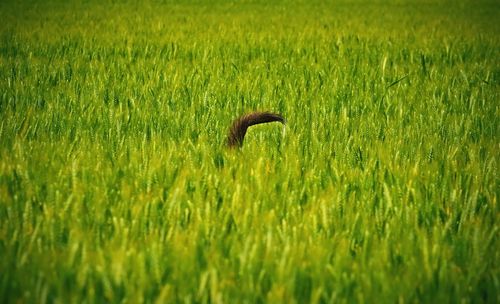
{"points": [[240, 126]]}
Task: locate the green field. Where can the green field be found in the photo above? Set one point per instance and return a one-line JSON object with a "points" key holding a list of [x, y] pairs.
{"points": [[116, 185]]}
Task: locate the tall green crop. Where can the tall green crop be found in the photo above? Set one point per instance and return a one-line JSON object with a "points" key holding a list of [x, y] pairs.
{"points": [[116, 186]]}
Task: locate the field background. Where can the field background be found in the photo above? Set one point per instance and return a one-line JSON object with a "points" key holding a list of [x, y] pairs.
{"points": [[115, 185]]}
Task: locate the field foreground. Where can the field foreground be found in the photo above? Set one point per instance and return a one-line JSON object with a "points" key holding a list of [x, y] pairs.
{"points": [[115, 185]]}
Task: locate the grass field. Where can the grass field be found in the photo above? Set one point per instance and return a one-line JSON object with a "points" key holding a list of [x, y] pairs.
{"points": [[115, 185]]}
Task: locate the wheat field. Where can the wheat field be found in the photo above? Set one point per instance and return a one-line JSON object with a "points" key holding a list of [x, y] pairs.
{"points": [[116, 185]]}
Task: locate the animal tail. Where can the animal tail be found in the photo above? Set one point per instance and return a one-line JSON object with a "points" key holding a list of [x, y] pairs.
{"points": [[240, 125]]}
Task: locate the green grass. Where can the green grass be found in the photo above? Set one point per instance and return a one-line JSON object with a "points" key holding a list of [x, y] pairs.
{"points": [[115, 185]]}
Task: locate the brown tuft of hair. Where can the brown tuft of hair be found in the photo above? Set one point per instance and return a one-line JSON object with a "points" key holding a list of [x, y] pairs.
{"points": [[239, 127]]}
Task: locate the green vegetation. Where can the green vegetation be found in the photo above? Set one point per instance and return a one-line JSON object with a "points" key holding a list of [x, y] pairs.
{"points": [[115, 185]]}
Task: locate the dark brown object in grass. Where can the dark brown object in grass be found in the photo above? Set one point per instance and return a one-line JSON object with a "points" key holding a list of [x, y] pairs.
{"points": [[240, 126]]}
